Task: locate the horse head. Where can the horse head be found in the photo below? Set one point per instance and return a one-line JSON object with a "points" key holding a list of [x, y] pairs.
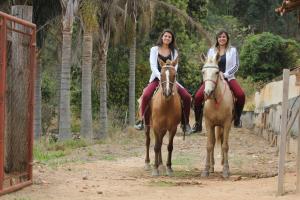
{"points": [[168, 76], [210, 74]]}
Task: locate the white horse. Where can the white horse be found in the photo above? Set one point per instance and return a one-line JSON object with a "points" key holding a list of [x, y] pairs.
{"points": [[218, 113]]}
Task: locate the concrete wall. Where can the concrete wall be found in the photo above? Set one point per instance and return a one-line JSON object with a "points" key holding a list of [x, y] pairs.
{"points": [[266, 118]]}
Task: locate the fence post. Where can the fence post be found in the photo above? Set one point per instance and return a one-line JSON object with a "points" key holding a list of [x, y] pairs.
{"points": [[283, 132], [298, 157]]}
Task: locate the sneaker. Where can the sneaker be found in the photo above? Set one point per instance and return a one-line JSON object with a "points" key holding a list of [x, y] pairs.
{"points": [[139, 125]]}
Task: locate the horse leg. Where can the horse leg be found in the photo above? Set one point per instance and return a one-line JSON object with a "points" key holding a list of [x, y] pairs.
{"points": [[161, 167], [157, 149], [170, 150], [225, 148], [147, 159], [212, 157], [209, 147]]}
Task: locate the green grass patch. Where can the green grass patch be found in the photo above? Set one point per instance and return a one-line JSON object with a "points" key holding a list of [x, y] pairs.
{"points": [[182, 160], [44, 156], [162, 183], [109, 158]]}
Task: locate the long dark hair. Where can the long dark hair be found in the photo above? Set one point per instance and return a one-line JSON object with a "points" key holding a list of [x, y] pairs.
{"points": [[172, 45], [218, 35]]}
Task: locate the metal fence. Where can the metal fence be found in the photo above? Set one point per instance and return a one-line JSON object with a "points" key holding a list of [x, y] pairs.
{"points": [[17, 74]]}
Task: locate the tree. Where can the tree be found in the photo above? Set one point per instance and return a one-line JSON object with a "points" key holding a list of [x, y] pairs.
{"points": [[17, 99], [88, 11], [43, 13], [69, 7], [135, 9], [263, 56], [108, 18]]}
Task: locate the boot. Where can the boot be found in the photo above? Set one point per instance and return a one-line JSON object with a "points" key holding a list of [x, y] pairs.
{"points": [[198, 117], [139, 125], [237, 118]]}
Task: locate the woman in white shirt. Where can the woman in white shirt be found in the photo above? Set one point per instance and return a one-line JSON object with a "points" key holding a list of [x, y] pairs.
{"points": [[228, 64], [166, 49]]}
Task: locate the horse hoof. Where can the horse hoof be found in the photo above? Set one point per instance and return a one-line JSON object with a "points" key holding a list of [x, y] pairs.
{"points": [[147, 167], [204, 174], [155, 172], [170, 171]]}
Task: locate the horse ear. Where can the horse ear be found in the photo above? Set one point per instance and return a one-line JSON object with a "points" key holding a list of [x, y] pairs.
{"points": [[203, 58], [161, 63], [174, 62]]}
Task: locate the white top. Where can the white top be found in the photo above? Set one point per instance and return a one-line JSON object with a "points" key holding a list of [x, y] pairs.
{"points": [[153, 62], [232, 61]]}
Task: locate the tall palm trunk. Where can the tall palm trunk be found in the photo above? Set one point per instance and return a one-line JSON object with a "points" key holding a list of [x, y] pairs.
{"points": [[64, 108], [103, 48], [38, 99], [18, 74], [132, 62], [86, 98]]}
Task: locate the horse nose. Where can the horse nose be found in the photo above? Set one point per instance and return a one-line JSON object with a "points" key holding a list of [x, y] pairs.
{"points": [[207, 93]]}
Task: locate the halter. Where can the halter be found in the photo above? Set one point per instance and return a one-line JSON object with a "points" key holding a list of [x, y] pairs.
{"points": [[218, 102]]}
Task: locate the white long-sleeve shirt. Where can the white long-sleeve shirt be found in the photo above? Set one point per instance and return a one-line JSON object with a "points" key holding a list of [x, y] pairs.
{"points": [[153, 62], [232, 61]]}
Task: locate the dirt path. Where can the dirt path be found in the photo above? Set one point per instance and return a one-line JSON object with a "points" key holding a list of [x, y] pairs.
{"points": [[114, 170]]}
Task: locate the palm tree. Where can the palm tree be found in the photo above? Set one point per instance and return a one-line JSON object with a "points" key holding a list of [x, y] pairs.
{"points": [[88, 11], [108, 19], [43, 13], [69, 7], [135, 10]]}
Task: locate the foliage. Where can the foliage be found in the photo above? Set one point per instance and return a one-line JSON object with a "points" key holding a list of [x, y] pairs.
{"points": [[263, 56], [197, 9]]}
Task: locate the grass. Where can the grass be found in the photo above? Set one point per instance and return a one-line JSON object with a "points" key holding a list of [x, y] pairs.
{"points": [[162, 183], [51, 153], [109, 158]]}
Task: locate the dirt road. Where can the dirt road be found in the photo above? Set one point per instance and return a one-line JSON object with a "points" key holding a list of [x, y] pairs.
{"points": [[114, 170]]}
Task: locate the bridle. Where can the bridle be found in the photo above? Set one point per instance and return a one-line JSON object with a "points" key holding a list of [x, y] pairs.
{"points": [[218, 102], [168, 66]]}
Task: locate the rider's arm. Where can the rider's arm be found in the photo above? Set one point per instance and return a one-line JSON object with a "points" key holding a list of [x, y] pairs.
{"points": [[233, 63], [153, 61]]}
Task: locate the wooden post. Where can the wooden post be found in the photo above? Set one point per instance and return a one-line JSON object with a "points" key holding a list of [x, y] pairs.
{"points": [[283, 132], [298, 157]]}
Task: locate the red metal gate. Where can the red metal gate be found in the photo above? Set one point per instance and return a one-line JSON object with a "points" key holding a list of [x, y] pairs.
{"points": [[9, 28]]}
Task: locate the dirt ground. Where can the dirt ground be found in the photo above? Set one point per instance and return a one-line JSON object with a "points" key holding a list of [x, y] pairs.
{"points": [[114, 170]]}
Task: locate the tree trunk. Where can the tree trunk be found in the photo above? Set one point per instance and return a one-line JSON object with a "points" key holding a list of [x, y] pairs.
{"points": [[86, 98], [103, 48], [64, 108], [38, 100], [132, 59], [18, 73]]}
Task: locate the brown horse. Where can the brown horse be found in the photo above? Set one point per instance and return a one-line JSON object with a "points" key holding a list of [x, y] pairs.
{"points": [[165, 115], [218, 114]]}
